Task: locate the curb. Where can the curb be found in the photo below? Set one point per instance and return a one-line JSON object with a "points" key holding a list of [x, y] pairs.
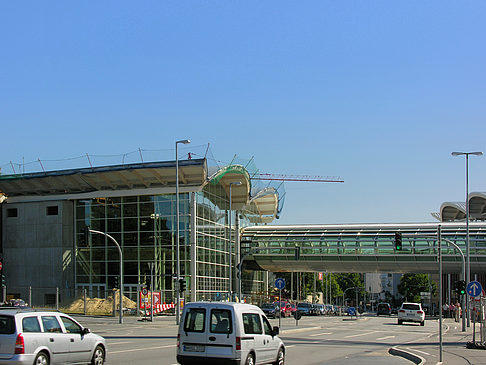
{"points": [[407, 355]]}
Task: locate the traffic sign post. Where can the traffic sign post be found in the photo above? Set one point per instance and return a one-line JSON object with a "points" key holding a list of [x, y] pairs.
{"points": [[280, 284], [474, 289]]}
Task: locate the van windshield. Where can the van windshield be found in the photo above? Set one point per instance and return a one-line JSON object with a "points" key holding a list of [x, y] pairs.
{"points": [[195, 319]]}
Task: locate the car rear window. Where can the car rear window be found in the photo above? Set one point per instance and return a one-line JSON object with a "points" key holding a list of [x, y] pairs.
{"points": [[195, 319], [414, 307], [221, 321], [7, 325]]}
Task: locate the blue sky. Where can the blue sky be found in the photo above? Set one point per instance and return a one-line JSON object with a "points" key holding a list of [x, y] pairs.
{"points": [[376, 92]]}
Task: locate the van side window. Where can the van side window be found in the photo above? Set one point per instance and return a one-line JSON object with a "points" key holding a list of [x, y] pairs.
{"points": [[221, 321], [31, 324], [267, 327], [195, 318], [252, 323]]}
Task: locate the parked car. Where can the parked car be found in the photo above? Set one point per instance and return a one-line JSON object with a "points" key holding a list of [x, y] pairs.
{"points": [[383, 309], [411, 312], [270, 310], [293, 308], [222, 332], [285, 309], [321, 310], [28, 337], [305, 309]]}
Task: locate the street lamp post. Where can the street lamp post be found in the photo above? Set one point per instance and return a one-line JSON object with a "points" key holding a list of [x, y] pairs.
{"points": [[468, 258], [230, 250], [178, 265]]}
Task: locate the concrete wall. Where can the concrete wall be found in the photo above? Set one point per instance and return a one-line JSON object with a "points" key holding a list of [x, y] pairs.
{"points": [[38, 249]]}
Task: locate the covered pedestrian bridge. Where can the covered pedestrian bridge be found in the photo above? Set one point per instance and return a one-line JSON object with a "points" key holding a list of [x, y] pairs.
{"points": [[363, 247]]}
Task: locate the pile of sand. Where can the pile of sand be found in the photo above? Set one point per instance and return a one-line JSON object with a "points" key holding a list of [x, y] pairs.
{"points": [[99, 306]]}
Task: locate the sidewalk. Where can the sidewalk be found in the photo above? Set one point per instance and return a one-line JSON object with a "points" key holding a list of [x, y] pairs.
{"points": [[454, 351]]}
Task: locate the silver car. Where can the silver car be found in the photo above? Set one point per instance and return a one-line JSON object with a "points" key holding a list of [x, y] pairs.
{"points": [[43, 338]]}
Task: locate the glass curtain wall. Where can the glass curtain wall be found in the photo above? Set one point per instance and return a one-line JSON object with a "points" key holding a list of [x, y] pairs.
{"points": [[144, 227]]}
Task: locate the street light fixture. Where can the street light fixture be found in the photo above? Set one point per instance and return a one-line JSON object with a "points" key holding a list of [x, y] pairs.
{"points": [[468, 258], [230, 250], [178, 266]]}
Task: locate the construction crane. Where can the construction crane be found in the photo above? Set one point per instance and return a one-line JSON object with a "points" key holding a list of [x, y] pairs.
{"points": [[306, 178]]}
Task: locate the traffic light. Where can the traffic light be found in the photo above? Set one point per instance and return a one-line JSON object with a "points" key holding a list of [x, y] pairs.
{"points": [[182, 285], [297, 252], [398, 241], [3, 281], [116, 282], [461, 289]]}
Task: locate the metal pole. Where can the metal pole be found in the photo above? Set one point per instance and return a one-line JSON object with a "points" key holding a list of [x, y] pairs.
{"points": [[121, 270], [229, 247], [468, 258], [151, 267], [30, 296], [178, 267], [57, 298], [439, 239], [85, 302]]}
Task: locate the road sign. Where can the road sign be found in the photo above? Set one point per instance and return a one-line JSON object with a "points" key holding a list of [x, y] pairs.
{"points": [[474, 288], [280, 283]]}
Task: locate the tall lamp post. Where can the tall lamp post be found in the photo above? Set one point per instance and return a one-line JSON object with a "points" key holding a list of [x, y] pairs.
{"points": [[468, 258], [230, 250], [178, 264]]}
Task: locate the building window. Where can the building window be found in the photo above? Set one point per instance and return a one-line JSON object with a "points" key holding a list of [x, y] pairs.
{"points": [[12, 213], [52, 210]]}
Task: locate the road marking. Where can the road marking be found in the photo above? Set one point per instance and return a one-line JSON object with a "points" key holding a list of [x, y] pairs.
{"points": [[384, 338], [289, 346], [422, 352], [319, 334], [360, 334], [143, 349], [118, 343]]}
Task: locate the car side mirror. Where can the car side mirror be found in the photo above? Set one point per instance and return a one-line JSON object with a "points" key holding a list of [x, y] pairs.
{"points": [[85, 331], [275, 331]]}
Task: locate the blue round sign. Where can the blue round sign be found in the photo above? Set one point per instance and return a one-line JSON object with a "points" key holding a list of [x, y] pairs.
{"points": [[280, 283], [474, 289]]}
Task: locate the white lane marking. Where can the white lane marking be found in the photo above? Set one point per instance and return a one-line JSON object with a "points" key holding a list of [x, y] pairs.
{"points": [[320, 334], [384, 338], [143, 349], [360, 334], [118, 343], [422, 352], [289, 346]]}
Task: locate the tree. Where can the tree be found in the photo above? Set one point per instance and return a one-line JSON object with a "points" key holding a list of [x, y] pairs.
{"points": [[353, 280], [412, 284]]}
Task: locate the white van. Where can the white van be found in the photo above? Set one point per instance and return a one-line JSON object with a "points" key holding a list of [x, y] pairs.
{"points": [[227, 333]]}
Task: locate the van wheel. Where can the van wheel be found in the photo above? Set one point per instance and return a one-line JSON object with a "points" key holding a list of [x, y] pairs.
{"points": [[400, 322], [280, 357], [98, 356], [422, 323], [250, 360], [41, 359]]}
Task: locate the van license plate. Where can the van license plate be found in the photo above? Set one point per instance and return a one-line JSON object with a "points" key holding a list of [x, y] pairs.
{"points": [[194, 348]]}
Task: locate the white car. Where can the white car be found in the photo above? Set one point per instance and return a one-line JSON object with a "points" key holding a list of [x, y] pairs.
{"points": [[43, 338], [227, 333], [411, 312]]}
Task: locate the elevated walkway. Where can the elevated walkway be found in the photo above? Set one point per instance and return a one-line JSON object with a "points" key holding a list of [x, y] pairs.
{"points": [[365, 247]]}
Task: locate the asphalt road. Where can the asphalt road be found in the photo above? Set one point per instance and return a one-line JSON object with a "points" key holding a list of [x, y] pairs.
{"points": [[315, 340]]}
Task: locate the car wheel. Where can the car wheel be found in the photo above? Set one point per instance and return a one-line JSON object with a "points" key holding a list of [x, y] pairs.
{"points": [[400, 322], [98, 356], [41, 359], [250, 360], [422, 323], [280, 357]]}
